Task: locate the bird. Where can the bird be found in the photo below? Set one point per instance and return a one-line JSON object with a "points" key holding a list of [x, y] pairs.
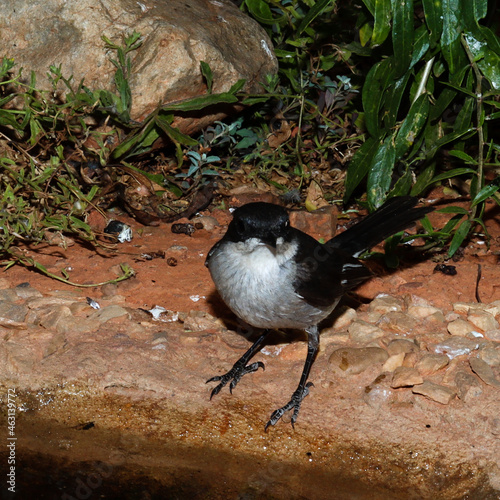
{"points": [[274, 276]]}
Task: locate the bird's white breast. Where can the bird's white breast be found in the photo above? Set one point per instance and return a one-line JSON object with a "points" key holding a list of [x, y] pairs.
{"points": [[256, 282]]}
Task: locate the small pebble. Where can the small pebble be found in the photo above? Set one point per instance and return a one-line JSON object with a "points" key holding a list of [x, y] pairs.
{"points": [[483, 320], [405, 376], [483, 371], [431, 363], [351, 360], [468, 386], [460, 327], [456, 346], [363, 332], [436, 392]]}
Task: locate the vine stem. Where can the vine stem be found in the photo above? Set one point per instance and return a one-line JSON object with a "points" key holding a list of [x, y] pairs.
{"points": [[479, 126]]}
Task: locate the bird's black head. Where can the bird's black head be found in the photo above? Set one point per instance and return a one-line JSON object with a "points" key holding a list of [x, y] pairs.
{"points": [[264, 221]]}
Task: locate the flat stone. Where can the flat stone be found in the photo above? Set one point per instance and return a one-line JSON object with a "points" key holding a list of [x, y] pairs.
{"points": [[436, 392], [422, 311], [493, 335], [344, 317], [460, 327], [396, 346], [465, 307], [483, 320], [405, 376], [8, 294], [25, 292], [468, 386], [109, 312], [483, 371], [13, 312], [197, 321], [431, 363], [351, 360], [455, 346], [383, 304], [379, 392], [493, 308], [398, 321], [363, 332], [394, 361], [490, 355]]}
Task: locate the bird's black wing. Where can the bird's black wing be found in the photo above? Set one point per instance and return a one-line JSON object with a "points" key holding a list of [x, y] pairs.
{"points": [[324, 274]]}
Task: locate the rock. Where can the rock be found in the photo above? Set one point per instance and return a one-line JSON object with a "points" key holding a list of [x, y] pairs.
{"points": [[422, 311], [411, 359], [177, 35], [379, 392], [383, 304], [10, 312], [436, 392], [396, 346], [398, 321], [344, 317], [490, 355], [456, 346], [493, 308], [207, 222], [198, 321], [465, 307], [109, 312], [25, 292], [484, 372], [468, 386], [431, 363], [363, 332], [8, 295], [483, 320], [460, 327], [351, 360], [493, 335], [405, 376], [394, 361]]}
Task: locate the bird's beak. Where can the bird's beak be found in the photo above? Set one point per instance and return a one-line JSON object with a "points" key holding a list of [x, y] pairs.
{"points": [[269, 240]]}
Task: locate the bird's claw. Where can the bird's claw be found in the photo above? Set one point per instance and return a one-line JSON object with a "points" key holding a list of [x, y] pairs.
{"points": [[234, 375], [294, 403]]}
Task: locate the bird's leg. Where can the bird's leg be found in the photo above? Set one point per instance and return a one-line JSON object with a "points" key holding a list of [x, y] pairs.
{"points": [[303, 388], [240, 368]]}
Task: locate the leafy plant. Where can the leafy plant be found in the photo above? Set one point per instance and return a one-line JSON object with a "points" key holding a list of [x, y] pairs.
{"points": [[435, 86]]}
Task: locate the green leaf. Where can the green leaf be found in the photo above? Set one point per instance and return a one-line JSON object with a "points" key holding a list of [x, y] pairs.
{"points": [[174, 133], [453, 210], [486, 192], [206, 71], [412, 125], [423, 180], [382, 22], [312, 14], [262, 13], [403, 185], [393, 98], [459, 236], [197, 103], [380, 173], [402, 35], [433, 10], [451, 46], [420, 45], [490, 67], [455, 172], [463, 156], [359, 166], [378, 79]]}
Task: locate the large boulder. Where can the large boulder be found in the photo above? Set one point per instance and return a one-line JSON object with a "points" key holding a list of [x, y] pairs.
{"points": [[177, 35]]}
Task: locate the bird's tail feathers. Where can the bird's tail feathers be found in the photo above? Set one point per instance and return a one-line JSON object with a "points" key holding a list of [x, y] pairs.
{"points": [[395, 215]]}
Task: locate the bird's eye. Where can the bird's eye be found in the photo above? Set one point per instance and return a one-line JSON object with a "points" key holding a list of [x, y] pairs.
{"points": [[241, 226]]}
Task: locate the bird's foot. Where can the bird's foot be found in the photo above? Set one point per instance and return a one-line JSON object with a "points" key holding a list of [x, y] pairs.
{"points": [[234, 375], [294, 403]]}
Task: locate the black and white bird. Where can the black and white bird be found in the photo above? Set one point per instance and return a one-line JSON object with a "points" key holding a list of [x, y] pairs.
{"points": [[274, 276]]}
